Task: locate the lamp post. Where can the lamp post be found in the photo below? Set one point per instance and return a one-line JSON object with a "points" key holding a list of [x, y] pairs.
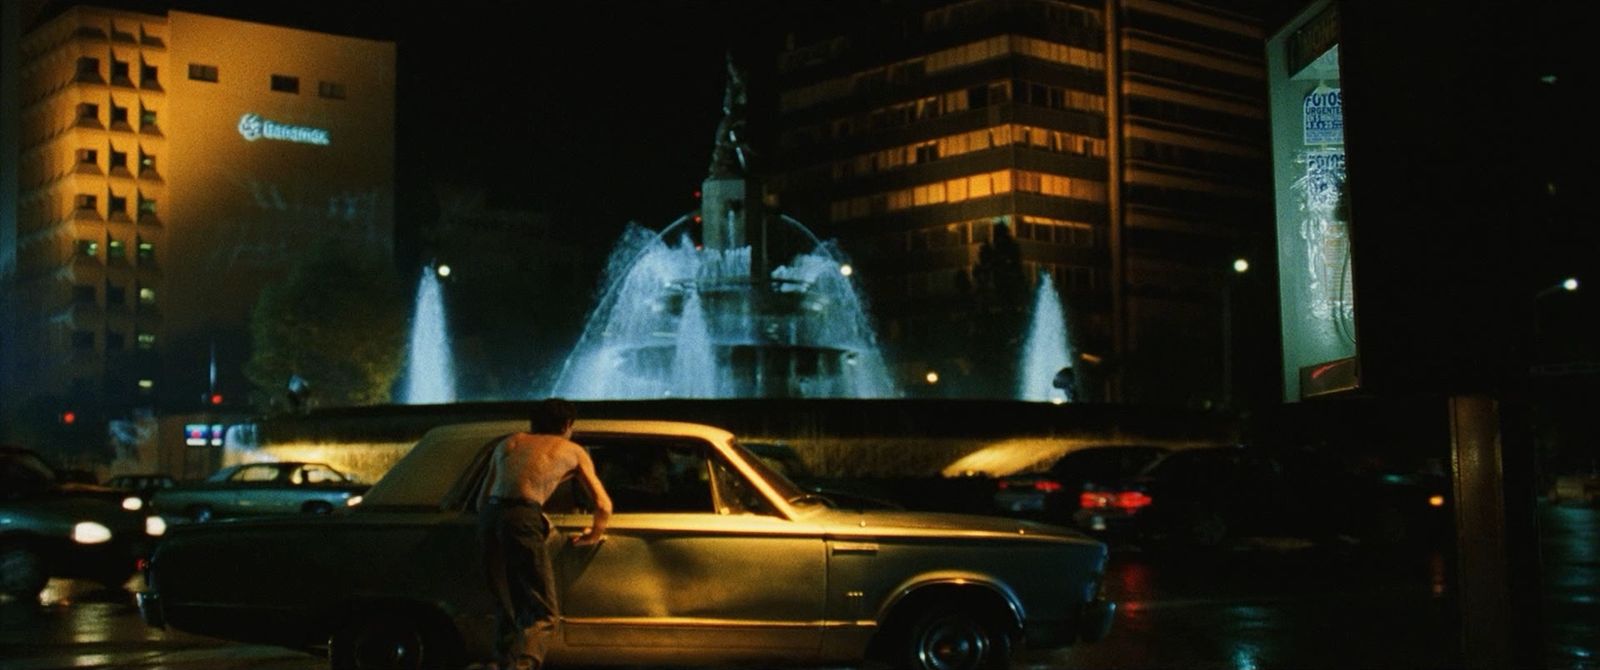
{"points": [[1240, 267]]}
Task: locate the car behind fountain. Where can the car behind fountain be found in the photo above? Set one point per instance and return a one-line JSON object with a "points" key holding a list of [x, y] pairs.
{"points": [[711, 557]]}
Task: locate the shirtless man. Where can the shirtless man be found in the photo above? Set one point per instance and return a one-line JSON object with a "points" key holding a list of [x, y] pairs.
{"points": [[523, 471]]}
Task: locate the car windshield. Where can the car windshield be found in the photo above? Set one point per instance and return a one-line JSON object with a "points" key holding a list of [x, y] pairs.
{"points": [[786, 489]]}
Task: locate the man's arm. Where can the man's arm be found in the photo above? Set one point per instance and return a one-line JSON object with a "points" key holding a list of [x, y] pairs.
{"points": [[602, 502]]}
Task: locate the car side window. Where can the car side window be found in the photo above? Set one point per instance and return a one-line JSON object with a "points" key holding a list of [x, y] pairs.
{"points": [[648, 477], [735, 493], [256, 473], [320, 474]]}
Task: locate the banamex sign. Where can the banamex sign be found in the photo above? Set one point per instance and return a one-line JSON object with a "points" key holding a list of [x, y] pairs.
{"points": [[254, 127]]}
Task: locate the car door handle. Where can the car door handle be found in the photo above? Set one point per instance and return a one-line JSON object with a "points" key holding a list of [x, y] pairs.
{"points": [[866, 548]]}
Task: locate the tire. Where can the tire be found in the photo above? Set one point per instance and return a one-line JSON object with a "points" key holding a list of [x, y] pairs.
{"points": [[200, 513], [379, 641], [1203, 529], [317, 508], [22, 572], [949, 638]]}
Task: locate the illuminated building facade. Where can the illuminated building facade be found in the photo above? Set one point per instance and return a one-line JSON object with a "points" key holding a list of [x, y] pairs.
{"points": [[170, 166], [1122, 144]]}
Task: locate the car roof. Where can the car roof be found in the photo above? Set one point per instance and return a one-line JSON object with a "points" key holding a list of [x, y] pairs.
{"points": [[416, 480]]}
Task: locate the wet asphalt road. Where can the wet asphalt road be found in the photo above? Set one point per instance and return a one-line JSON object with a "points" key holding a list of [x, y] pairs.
{"points": [[1262, 605]]}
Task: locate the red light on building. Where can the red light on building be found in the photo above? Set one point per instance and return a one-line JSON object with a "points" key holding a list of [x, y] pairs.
{"points": [[69, 417], [216, 398]]}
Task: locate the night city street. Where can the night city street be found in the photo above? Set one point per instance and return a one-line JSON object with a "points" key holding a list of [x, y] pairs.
{"points": [[1271, 605], [911, 334]]}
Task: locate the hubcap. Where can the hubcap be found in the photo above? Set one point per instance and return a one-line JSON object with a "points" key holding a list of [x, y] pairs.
{"points": [[952, 644], [389, 648]]}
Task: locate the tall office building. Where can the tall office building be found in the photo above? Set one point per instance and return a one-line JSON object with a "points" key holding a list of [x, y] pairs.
{"points": [[1120, 145], [168, 167]]}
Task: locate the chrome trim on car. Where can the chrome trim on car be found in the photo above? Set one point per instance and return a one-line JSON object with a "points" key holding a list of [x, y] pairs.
{"points": [[1007, 595]]}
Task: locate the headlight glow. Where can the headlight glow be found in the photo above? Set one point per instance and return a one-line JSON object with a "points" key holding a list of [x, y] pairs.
{"points": [[89, 532], [155, 526], [352, 501], [132, 503]]}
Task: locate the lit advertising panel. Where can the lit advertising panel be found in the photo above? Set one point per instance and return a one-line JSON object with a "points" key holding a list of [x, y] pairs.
{"points": [[1315, 278]]}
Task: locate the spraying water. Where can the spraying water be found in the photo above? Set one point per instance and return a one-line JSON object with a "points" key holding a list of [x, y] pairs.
{"points": [[430, 372], [679, 320], [1045, 351]]}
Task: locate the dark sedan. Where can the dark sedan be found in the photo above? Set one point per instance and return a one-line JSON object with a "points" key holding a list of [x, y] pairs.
{"points": [[1210, 496], [49, 528], [1054, 493]]}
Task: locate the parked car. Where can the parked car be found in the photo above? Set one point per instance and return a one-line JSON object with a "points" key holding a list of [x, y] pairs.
{"points": [[841, 493], [711, 557], [261, 488], [1054, 493], [53, 529], [1206, 497], [143, 485]]}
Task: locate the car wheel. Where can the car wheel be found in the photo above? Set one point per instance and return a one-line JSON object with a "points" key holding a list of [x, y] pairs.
{"points": [[948, 638], [1205, 529], [201, 513], [318, 508], [388, 642], [22, 572]]}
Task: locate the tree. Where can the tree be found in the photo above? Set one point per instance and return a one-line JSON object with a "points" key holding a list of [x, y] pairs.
{"points": [[337, 321], [1000, 307]]}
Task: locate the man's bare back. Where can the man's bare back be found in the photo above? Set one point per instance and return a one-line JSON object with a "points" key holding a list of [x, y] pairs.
{"points": [[529, 466]]}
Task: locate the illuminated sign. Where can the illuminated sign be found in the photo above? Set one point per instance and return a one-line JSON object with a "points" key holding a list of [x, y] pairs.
{"points": [[202, 434], [255, 127], [1323, 114]]}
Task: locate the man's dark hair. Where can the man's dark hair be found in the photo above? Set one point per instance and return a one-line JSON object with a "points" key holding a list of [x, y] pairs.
{"points": [[552, 415]]}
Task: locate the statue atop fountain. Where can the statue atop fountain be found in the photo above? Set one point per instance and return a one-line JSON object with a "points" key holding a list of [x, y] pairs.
{"points": [[746, 304]]}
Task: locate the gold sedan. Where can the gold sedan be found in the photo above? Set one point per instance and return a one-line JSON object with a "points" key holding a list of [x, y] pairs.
{"points": [[711, 558]]}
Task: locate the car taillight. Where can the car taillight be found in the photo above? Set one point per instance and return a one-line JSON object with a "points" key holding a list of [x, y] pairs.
{"points": [[1127, 500], [1436, 501], [1047, 485], [1132, 500], [1094, 499]]}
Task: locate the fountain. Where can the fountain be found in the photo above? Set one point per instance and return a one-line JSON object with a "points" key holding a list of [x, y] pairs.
{"points": [[731, 302], [430, 373], [1045, 350]]}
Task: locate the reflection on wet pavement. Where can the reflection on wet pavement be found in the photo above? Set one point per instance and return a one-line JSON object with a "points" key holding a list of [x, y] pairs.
{"points": [[1261, 607]]}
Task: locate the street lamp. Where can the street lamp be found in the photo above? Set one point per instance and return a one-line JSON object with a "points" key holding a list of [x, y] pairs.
{"points": [[443, 270]]}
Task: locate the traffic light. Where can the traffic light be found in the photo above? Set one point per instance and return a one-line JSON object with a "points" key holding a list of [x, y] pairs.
{"points": [[215, 399]]}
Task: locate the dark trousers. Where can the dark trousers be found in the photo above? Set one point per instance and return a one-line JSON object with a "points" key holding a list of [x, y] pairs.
{"points": [[520, 577]]}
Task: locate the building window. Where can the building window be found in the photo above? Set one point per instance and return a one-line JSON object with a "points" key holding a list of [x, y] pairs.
{"points": [[283, 83], [83, 340], [146, 341], [146, 252], [147, 76], [147, 207], [328, 89], [147, 384], [86, 201], [119, 160], [88, 69], [83, 295], [116, 295], [116, 250], [113, 340], [147, 117], [200, 72], [147, 296], [118, 205], [119, 72], [88, 248], [146, 161], [119, 115], [89, 157], [88, 111]]}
